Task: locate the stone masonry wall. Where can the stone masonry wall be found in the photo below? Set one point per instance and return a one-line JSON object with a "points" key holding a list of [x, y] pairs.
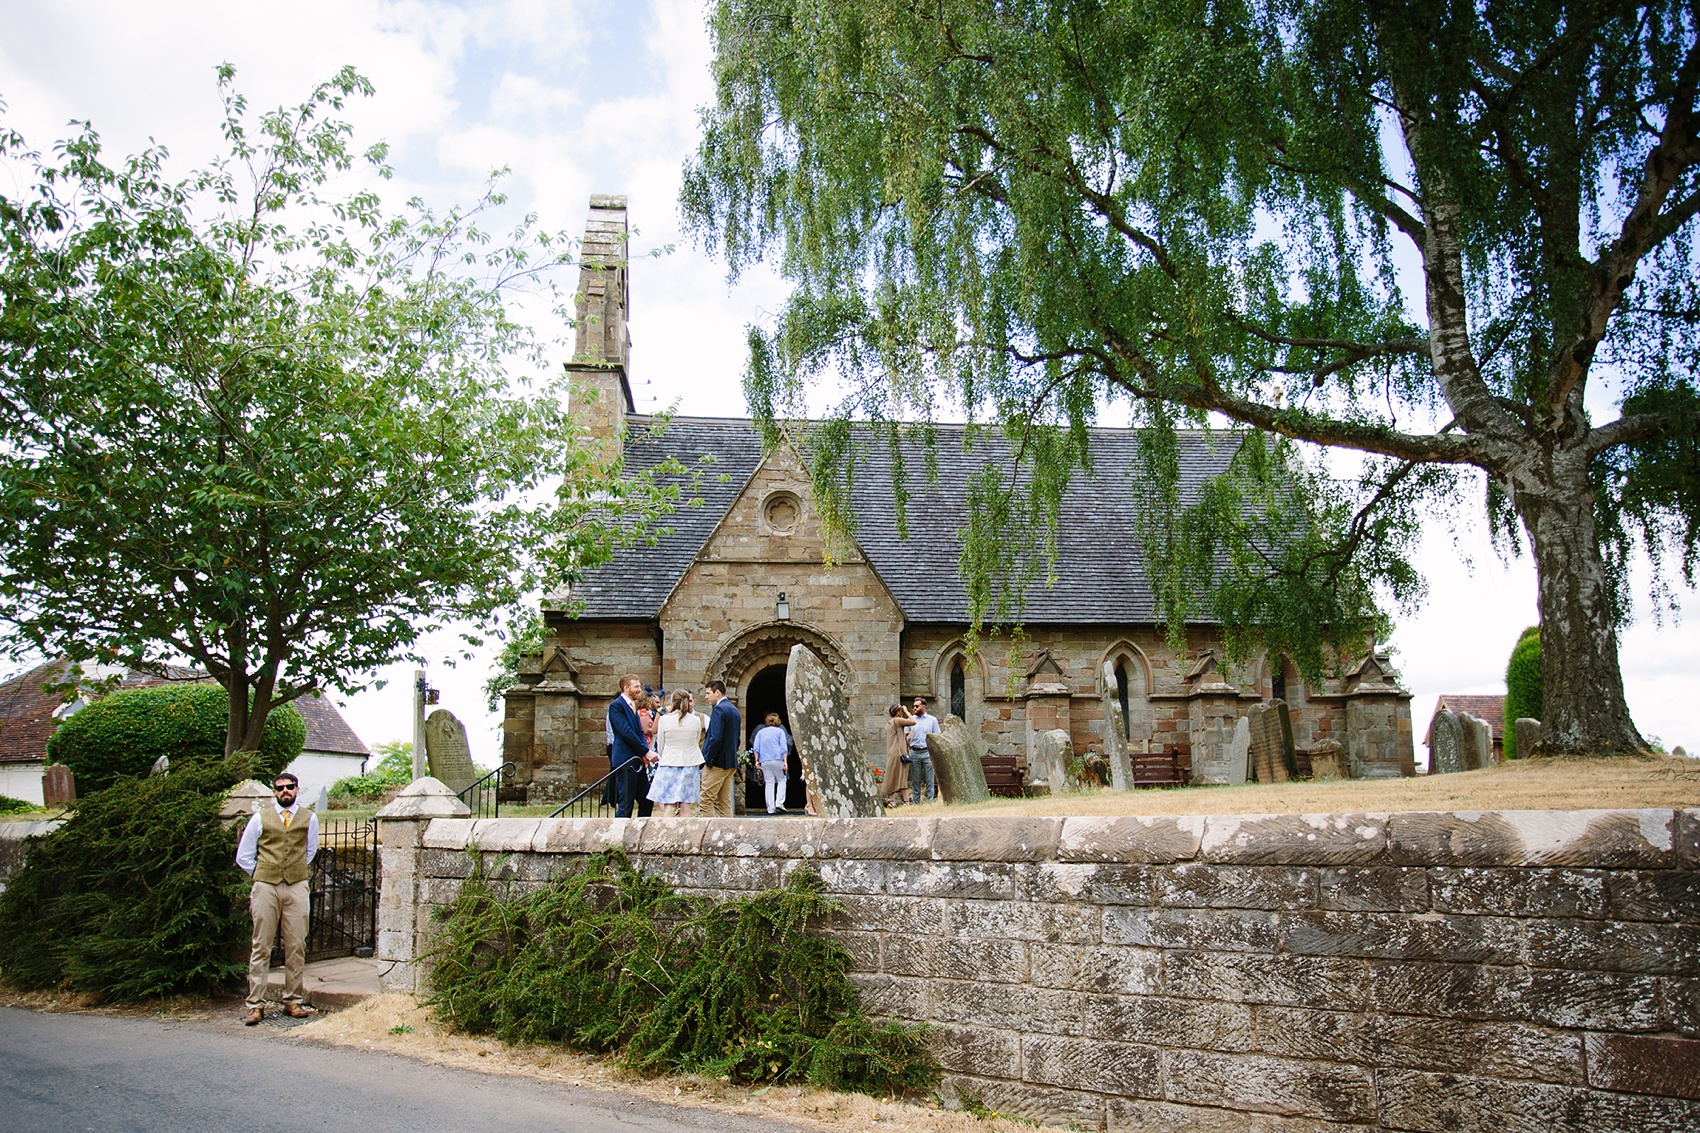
{"points": [[1503, 972]]}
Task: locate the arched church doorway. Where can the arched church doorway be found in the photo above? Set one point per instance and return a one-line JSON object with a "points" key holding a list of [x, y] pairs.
{"points": [[765, 693]]}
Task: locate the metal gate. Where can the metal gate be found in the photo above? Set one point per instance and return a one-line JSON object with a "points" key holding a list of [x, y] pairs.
{"points": [[344, 884]]}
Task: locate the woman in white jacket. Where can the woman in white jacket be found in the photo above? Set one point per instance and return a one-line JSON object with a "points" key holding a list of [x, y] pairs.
{"points": [[678, 775]]}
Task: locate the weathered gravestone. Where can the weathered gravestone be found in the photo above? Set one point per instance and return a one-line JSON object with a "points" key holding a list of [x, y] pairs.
{"points": [[244, 799], [1055, 757], [834, 764], [161, 766], [1328, 760], [1446, 743], [323, 803], [1115, 733], [1478, 742], [447, 752], [1219, 754], [1271, 742], [956, 763], [58, 786], [1528, 733]]}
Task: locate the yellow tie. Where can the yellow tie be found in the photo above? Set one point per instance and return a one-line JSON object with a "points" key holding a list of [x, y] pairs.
{"points": [[286, 817]]}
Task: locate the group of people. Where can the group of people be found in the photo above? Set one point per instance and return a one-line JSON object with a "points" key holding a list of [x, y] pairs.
{"points": [[907, 757]]}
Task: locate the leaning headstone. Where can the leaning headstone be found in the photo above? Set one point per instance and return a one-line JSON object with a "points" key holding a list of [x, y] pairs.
{"points": [[58, 786], [1055, 755], [956, 763], [835, 766], [447, 752], [1328, 760], [161, 766], [1528, 733], [1239, 753], [1478, 742], [1446, 744], [1115, 731], [1271, 742]]}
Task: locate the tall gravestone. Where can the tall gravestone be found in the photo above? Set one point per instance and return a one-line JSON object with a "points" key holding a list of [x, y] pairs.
{"points": [[1271, 742], [1478, 742], [447, 751], [1056, 756], [834, 763], [1115, 733], [1446, 743], [956, 763], [1239, 753], [1528, 735], [1220, 754], [58, 786]]}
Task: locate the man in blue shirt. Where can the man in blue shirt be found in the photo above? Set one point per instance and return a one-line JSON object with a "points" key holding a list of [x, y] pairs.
{"points": [[720, 751], [920, 756]]}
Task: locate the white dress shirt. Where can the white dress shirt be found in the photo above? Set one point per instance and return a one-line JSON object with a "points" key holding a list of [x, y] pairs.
{"points": [[248, 849]]}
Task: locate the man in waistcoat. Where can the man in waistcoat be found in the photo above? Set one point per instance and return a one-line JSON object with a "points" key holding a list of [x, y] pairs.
{"points": [[277, 848]]}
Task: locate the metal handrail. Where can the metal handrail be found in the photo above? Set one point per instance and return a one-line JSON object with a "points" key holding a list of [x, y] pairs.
{"points": [[564, 807], [466, 795]]}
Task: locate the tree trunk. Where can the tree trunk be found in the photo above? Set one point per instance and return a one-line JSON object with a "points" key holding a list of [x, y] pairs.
{"points": [[1585, 709]]}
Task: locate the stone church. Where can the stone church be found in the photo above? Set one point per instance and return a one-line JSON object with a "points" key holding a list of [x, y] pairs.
{"points": [[741, 579]]}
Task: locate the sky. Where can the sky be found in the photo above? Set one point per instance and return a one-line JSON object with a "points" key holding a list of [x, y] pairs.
{"points": [[576, 97]]}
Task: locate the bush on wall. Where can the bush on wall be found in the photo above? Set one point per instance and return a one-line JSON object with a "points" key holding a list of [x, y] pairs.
{"points": [[606, 959], [124, 733], [1524, 693], [136, 896]]}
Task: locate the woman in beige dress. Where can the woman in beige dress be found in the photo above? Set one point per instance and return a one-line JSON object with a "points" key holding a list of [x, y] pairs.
{"points": [[896, 781]]}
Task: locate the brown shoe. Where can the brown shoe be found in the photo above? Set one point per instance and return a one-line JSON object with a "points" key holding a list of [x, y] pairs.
{"points": [[297, 1010], [253, 1017]]}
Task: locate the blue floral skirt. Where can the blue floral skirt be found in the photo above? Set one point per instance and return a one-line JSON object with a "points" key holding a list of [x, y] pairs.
{"points": [[676, 785]]}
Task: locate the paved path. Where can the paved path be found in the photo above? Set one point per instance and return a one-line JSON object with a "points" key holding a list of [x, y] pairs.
{"points": [[69, 1073]]}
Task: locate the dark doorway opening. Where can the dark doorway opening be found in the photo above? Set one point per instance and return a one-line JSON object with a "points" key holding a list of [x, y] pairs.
{"points": [[766, 693]]}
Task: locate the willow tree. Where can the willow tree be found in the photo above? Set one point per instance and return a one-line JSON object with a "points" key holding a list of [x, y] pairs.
{"points": [[255, 421], [1445, 236]]}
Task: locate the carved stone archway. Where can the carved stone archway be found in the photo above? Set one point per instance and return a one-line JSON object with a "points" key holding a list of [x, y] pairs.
{"points": [[769, 643]]}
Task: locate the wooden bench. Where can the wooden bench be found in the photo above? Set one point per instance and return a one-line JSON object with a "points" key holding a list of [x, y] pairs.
{"points": [[1003, 775], [1156, 769]]}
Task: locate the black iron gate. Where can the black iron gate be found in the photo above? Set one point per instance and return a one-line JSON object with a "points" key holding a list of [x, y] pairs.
{"points": [[344, 884]]}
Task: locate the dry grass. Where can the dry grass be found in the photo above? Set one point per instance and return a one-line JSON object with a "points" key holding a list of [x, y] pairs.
{"points": [[1525, 784], [397, 1024]]}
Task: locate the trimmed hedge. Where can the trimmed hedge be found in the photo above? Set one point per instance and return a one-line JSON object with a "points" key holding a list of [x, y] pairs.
{"points": [[123, 734], [1525, 693], [137, 895]]}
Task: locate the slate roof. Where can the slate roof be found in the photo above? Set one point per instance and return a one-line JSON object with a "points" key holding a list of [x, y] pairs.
{"points": [[26, 714], [1100, 567]]}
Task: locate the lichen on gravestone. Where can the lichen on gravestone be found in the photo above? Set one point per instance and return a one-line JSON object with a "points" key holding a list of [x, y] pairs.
{"points": [[834, 764]]}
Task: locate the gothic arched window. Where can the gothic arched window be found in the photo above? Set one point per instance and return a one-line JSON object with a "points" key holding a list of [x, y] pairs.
{"points": [[1121, 695], [958, 690]]}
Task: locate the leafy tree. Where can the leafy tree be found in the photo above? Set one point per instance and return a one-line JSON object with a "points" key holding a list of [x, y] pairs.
{"points": [[524, 636], [124, 733], [254, 423], [1032, 209], [1523, 687]]}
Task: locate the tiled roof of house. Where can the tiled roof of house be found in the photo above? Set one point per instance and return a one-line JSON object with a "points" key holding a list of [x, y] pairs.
{"points": [[1100, 566], [1489, 708], [27, 714]]}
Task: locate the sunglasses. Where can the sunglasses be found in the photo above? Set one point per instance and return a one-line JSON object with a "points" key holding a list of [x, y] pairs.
{"points": [[284, 787]]}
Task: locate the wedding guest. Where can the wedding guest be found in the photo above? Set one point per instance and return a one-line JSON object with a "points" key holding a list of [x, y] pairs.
{"points": [[678, 775]]}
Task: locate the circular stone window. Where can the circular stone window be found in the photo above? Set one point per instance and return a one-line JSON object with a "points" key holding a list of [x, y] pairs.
{"points": [[780, 512]]}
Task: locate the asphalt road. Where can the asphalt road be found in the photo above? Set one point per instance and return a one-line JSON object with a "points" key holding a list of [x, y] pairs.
{"points": [[68, 1073]]}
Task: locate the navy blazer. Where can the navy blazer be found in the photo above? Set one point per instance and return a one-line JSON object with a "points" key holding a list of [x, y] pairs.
{"points": [[629, 741], [725, 731]]}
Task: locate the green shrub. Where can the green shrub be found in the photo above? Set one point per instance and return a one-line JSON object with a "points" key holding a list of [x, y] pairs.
{"points": [[9, 805], [137, 895], [605, 959], [394, 770], [124, 733], [1524, 692]]}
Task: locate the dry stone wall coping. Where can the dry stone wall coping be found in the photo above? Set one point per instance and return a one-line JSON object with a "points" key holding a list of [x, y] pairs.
{"points": [[1585, 839]]}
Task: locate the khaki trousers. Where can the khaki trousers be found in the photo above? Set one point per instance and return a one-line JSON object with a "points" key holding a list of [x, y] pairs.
{"points": [[274, 908], [717, 791]]}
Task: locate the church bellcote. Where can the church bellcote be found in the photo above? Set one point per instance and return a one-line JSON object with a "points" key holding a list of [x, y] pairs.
{"points": [[603, 344]]}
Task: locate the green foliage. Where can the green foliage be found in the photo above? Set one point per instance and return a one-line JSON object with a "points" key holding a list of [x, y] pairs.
{"points": [[395, 769], [605, 959], [1039, 215], [524, 636], [275, 427], [9, 805], [124, 733], [137, 895], [1524, 688]]}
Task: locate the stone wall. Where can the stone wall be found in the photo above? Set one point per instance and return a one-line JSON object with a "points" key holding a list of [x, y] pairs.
{"points": [[1501, 971]]}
